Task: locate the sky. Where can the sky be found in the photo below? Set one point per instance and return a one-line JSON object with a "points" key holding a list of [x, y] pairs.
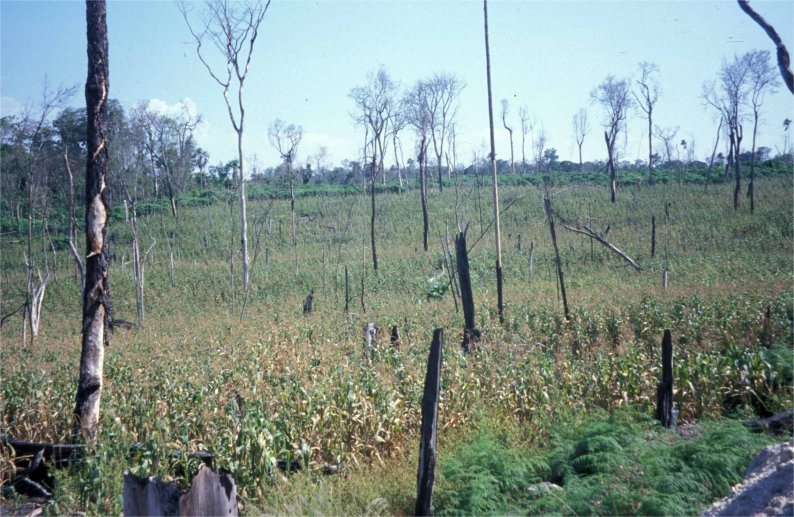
{"points": [[546, 55]]}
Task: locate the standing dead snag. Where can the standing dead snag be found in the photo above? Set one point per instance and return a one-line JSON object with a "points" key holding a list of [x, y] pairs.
{"points": [[307, 303], [613, 95], [497, 227], [96, 299], [470, 333], [232, 30], [550, 217], [664, 391], [427, 449]]}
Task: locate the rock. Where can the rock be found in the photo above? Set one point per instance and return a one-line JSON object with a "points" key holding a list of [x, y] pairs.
{"points": [[767, 488], [539, 489]]}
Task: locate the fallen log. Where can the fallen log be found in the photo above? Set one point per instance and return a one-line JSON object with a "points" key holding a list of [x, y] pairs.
{"points": [[781, 422], [590, 233]]}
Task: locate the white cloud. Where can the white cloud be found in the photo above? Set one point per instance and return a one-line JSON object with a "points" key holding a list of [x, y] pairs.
{"points": [[177, 109]]}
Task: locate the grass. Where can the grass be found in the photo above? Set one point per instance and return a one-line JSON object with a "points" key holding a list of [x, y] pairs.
{"points": [[283, 385]]}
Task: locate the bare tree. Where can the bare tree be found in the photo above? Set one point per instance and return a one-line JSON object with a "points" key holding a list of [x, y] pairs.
{"points": [[96, 299], [526, 128], [505, 109], [286, 138], [232, 29], [417, 113], [667, 135], [763, 80], [34, 127], [443, 91], [497, 227], [538, 146], [613, 95], [727, 96], [169, 142], [646, 95], [783, 58], [581, 126], [375, 102]]}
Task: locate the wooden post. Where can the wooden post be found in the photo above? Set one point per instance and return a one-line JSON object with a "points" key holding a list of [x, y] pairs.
{"points": [[470, 333], [427, 449], [347, 291], [530, 259], [395, 336], [664, 390], [653, 236]]}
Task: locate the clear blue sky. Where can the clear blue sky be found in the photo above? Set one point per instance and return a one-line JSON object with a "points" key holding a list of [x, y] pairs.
{"points": [[546, 55]]}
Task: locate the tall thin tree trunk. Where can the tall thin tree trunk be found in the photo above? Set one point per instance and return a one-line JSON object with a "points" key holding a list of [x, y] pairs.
{"points": [[423, 190], [751, 185], [737, 136], [497, 227], [96, 300], [243, 218], [512, 159], [550, 216], [372, 215], [713, 153], [581, 165], [650, 148]]}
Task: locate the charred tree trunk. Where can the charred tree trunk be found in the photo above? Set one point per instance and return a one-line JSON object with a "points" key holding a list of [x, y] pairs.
{"points": [[737, 136], [470, 333], [664, 391], [427, 448], [653, 236], [96, 299]]}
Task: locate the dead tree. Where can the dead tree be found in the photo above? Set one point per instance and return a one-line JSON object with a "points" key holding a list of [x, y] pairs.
{"points": [[664, 391], [646, 99], [73, 224], [727, 95], [375, 102], [594, 235], [497, 226], [232, 29], [526, 128], [470, 333], [96, 300], [613, 95], [713, 153], [581, 126], [510, 132], [417, 112], [285, 139], [550, 217], [762, 81], [443, 91], [427, 449], [783, 58]]}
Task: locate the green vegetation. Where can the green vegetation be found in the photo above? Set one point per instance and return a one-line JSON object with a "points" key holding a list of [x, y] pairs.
{"points": [[621, 464], [280, 385]]}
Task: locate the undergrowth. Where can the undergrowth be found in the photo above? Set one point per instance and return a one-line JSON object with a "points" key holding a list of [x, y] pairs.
{"points": [[618, 464]]}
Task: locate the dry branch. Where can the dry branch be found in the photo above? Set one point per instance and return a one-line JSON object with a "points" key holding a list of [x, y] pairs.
{"points": [[590, 233]]}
